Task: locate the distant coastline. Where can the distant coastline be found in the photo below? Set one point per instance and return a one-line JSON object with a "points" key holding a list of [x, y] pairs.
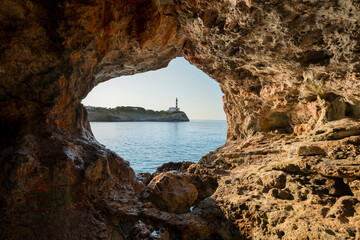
{"points": [[133, 114]]}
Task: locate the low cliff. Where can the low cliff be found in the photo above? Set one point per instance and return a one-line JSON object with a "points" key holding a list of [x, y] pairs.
{"points": [[133, 114]]}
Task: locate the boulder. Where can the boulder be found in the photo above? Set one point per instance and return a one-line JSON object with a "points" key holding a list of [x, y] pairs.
{"points": [[171, 192]]}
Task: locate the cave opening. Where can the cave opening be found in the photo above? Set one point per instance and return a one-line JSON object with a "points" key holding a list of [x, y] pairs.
{"points": [[118, 112]]}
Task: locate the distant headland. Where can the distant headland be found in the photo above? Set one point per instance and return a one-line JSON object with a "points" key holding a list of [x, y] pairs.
{"points": [[135, 114]]}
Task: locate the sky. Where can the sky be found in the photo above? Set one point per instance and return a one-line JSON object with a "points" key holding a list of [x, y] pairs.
{"points": [[199, 96]]}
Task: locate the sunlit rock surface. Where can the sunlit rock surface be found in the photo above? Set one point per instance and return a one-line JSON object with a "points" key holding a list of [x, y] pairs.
{"points": [[290, 73], [171, 192]]}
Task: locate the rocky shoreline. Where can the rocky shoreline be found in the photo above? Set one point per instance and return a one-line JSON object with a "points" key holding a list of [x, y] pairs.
{"points": [[133, 114]]}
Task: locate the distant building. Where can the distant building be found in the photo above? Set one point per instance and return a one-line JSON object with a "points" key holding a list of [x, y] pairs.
{"points": [[174, 109]]}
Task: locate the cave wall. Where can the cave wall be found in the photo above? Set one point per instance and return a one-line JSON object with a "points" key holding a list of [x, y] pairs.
{"points": [[272, 59], [280, 64], [54, 53], [286, 68]]}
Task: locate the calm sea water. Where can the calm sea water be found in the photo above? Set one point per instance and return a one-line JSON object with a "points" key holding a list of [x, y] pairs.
{"points": [[147, 145]]}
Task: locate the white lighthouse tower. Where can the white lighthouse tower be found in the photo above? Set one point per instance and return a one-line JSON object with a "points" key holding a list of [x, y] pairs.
{"points": [[176, 108]]}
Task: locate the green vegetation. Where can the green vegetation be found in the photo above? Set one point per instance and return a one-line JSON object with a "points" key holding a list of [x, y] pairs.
{"points": [[129, 110]]}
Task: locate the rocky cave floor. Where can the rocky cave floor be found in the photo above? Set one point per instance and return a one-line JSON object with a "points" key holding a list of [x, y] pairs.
{"points": [[272, 186]]}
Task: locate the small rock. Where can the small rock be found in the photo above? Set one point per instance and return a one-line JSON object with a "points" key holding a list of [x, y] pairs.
{"points": [[171, 191], [310, 150], [174, 166]]}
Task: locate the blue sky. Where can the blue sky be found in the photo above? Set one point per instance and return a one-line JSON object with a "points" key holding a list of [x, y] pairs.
{"points": [[199, 96]]}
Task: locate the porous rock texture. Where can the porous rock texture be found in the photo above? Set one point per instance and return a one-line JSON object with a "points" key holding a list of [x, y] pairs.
{"points": [[171, 192], [290, 74]]}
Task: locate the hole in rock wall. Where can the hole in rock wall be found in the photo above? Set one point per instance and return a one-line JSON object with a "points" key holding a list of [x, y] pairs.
{"points": [[130, 115], [277, 121], [338, 107]]}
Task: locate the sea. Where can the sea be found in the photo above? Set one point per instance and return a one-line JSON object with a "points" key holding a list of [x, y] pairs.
{"points": [[147, 145]]}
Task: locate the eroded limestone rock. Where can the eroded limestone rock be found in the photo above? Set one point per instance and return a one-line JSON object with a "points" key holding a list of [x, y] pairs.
{"points": [[171, 192], [290, 74]]}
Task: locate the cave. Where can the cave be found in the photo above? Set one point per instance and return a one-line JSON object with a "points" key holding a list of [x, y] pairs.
{"points": [[268, 57]]}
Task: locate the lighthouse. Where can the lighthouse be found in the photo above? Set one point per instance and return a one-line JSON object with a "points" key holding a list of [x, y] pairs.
{"points": [[176, 108]]}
